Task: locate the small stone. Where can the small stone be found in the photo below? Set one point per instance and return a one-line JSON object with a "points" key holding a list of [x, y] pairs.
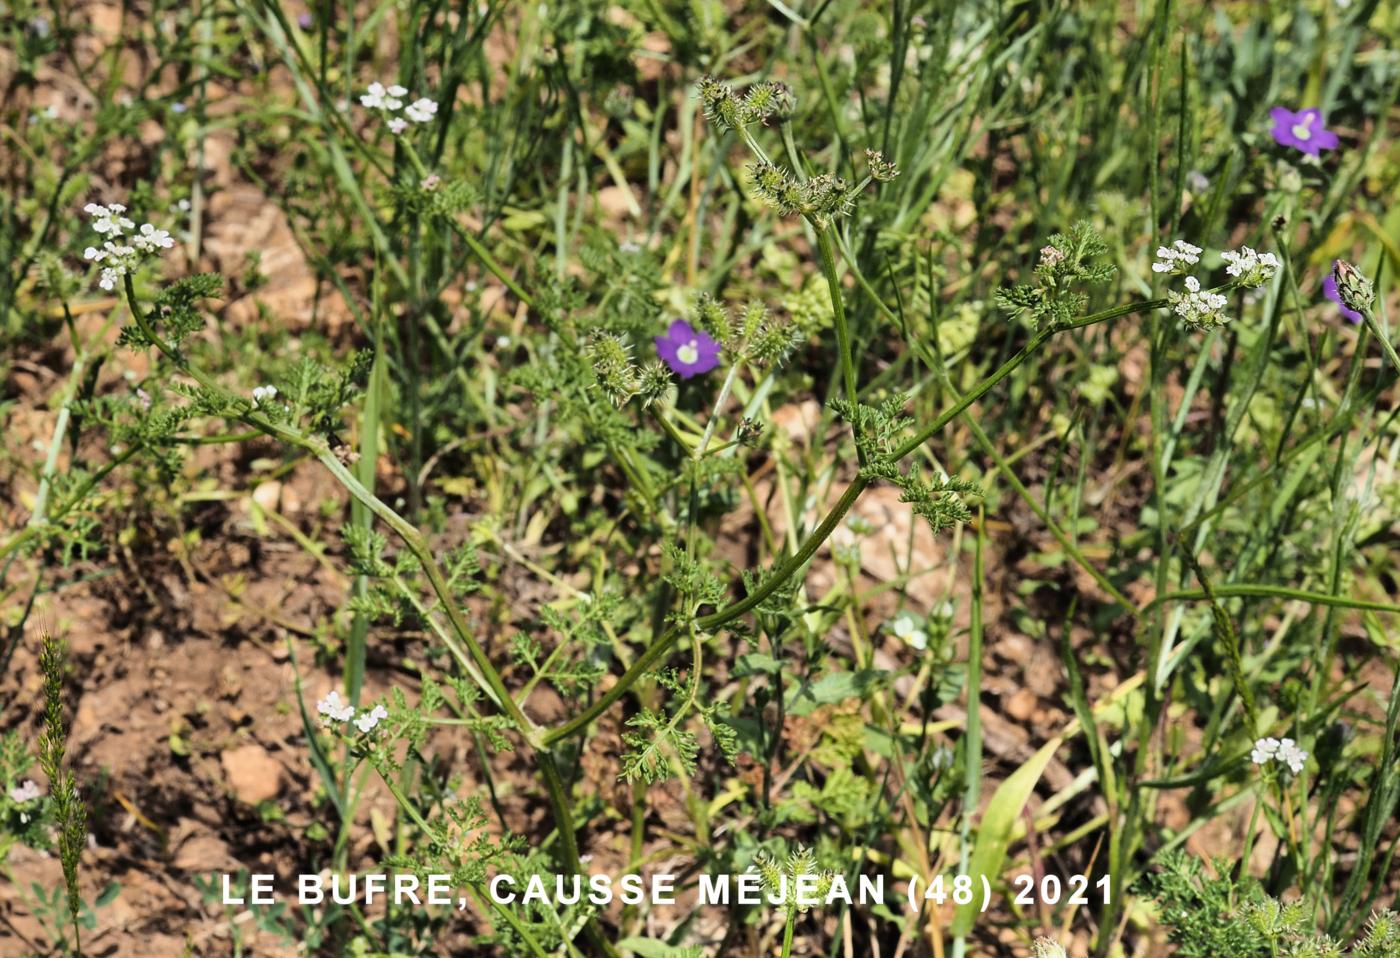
{"points": [[267, 495], [1021, 705], [253, 775]]}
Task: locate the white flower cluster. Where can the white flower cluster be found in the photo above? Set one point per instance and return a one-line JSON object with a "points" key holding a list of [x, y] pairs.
{"points": [[1251, 268], [368, 720], [27, 791], [907, 628], [22, 794], [120, 253], [1286, 751], [262, 394], [1200, 308], [1175, 258], [332, 709], [391, 99]]}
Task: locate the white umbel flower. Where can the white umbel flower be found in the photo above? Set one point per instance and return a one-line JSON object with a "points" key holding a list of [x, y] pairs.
{"points": [[26, 791], [368, 720], [392, 99], [1200, 308], [1175, 258], [116, 260], [1265, 749], [1284, 751], [108, 220], [116, 257], [262, 394], [421, 110], [1250, 267], [333, 709], [149, 239], [1291, 755], [377, 97]]}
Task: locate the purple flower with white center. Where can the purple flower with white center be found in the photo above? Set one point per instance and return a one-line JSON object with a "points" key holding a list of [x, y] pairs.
{"points": [[686, 350], [1304, 130], [1329, 289]]}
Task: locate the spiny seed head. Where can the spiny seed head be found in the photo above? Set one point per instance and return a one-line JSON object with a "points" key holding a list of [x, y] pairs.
{"points": [[775, 188], [1353, 287], [712, 316], [826, 194], [653, 382], [770, 98], [768, 871], [881, 169], [608, 351], [755, 315], [772, 343], [721, 106], [1383, 930], [1264, 916], [750, 431], [612, 362]]}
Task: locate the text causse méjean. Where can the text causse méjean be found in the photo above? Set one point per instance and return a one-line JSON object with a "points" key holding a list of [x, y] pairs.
{"points": [[403, 889], [806, 891]]}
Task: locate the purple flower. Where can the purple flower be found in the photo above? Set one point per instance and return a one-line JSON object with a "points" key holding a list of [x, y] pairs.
{"points": [[1304, 130], [1329, 289], [686, 350], [304, 21]]}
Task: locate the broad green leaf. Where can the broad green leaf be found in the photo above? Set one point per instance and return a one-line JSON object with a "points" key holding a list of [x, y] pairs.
{"points": [[994, 833]]}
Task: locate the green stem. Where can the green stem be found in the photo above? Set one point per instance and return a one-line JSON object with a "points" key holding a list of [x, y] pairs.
{"points": [[1380, 335], [699, 452], [1272, 592], [843, 333]]}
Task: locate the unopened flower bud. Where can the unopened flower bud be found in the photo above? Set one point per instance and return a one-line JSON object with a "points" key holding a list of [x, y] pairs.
{"points": [[1354, 288]]}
